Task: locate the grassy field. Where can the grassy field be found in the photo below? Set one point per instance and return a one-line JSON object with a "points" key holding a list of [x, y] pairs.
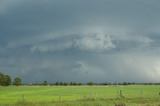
{"points": [[80, 95]]}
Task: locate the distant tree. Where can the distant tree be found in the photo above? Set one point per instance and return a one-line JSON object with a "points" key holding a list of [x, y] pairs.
{"points": [[7, 80], [79, 83], [1, 79], [105, 83], [61, 83], [119, 83], [74, 83], [57, 83], [129, 83], [115, 83], [133, 83], [65, 83], [45, 83], [17, 81], [90, 83], [125, 83], [71, 83]]}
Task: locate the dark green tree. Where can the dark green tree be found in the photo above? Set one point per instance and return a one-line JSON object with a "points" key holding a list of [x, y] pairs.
{"points": [[17, 81], [125, 83], [57, 83], [7, 80], [1, 79], [65, 83], [61, 83], [71, 83], [79, 83], [74, 83], [45, 83], [90, 83]]}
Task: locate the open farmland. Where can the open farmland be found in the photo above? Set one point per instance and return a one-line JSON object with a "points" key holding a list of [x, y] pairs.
{"points": [[80, 95]]}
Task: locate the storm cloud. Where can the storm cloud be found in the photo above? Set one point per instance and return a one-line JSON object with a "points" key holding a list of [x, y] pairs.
{"points": [[80, 40]]}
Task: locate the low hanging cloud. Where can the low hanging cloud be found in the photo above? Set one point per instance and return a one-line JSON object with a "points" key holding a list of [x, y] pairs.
{"points": [[91, 43], [52, 47], [143, 39], [96, 43]]}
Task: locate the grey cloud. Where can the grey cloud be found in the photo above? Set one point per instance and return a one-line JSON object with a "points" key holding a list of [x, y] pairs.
{"points": [[59, 40], [124, 66], [132, 66], [52, 47]]}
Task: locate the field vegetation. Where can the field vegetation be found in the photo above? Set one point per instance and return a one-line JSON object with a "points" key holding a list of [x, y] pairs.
{"points": [[111, 95]]}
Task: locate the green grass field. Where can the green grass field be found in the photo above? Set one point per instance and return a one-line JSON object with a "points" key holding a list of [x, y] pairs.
{"points": [[80, 95]]}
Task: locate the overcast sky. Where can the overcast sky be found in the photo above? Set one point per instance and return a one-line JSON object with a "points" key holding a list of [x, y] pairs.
{"points": [[80, 40]]}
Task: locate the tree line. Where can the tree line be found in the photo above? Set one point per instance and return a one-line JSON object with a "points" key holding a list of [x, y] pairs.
{"points": [[62, 83], [5, 80], [45, 83]]}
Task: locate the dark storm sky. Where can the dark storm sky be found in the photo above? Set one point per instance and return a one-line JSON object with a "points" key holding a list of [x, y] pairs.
{"points": [[80, 40]]}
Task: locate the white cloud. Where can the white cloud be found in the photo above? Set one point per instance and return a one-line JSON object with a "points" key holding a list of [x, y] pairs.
{"points": [[51, 47], [96, 43], [132, 38], [92, 43]]}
